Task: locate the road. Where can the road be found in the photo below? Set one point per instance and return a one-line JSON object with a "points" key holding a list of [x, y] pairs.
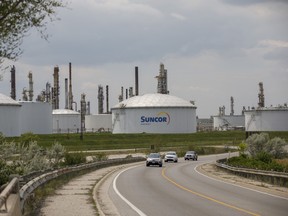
{"points": [[179, 189]]}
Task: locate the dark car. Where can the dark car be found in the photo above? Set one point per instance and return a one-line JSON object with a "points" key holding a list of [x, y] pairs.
{"points": [[191, 155], [154, 159]]}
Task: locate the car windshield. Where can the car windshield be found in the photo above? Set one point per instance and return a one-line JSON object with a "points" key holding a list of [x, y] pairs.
{"points": [[171, 153], [154, 155], [190, 152]]}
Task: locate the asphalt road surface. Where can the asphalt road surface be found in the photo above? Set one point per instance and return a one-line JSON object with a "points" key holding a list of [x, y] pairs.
{"points": [[179, 189]]}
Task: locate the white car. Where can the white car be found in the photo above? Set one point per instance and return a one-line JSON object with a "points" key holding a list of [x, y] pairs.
{"points": [[171, 156]]}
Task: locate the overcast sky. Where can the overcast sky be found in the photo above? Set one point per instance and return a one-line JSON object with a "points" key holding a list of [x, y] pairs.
{"points": [[212, 49]]}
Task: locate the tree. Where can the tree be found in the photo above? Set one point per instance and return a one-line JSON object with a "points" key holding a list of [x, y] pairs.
{"points": [[17, 17]]}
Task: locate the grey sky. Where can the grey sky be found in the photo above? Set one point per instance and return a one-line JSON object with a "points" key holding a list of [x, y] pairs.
{"points": [[212, 49]]}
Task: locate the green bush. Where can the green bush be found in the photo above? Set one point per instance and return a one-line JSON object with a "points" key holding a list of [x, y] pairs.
{"points": [[256, 163], [264, 157], [74, 159]]}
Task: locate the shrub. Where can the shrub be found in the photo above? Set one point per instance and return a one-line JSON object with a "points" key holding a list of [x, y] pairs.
{"points": [[74, 159], [264, 157]]}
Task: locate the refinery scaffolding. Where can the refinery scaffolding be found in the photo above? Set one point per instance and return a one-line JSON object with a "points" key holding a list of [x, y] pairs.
{"points": [[162, 86]]}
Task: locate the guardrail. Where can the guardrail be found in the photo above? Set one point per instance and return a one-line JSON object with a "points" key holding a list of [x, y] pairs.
{"points": [[34, 180], [277, 178], [12, 187]]}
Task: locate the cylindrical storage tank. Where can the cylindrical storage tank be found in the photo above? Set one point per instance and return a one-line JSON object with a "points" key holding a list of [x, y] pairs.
{"points": [[66, 121], [266, 119], [9, 116], [154, 113], [98, 123], [36, 117], [228, 122]]}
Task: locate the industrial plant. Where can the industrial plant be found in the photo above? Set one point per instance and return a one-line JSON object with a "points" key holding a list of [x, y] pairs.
{"points": [[135, 113]]}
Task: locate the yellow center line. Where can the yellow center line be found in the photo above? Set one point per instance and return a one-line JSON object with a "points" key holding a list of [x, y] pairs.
{"points": [[206, 197]]}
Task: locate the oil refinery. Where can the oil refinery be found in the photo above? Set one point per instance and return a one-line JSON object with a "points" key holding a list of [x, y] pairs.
{"points": [[135, 113]]}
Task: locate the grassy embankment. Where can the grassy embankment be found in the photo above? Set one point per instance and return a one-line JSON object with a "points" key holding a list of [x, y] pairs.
{"points": [[108, 141]]}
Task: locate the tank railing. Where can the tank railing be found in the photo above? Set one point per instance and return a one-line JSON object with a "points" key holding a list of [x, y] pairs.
{"points": [[11, 188]]}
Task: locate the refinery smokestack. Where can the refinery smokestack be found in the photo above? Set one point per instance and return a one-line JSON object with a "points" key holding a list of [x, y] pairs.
{"points": [[66, 93], [30, 91], [55, 95], [107, 99], [136, 82], [13, 83], [70, 88], [100, 99], [232, 106], [261, 95], [121, 96]]}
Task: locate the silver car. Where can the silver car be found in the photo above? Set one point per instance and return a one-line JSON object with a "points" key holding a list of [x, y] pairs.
{"points": [[171, 156], [191, 155], [154, 159]]}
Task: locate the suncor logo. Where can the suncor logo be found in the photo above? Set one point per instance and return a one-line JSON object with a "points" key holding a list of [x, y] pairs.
{"points": [[161, 117]]}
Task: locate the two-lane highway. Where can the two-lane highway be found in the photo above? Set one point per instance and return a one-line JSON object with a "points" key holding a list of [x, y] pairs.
{"points": [[178, 189]]}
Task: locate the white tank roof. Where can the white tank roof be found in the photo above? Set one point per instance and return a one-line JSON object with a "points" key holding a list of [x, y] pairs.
{"points": [[65, 112], [154, 100], [5, 100]]}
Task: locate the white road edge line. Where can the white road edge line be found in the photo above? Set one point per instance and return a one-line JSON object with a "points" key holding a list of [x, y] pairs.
{"points": [[122, 197], [195, 169]]}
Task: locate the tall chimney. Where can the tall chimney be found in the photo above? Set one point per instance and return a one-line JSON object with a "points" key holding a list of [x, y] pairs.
{"points": [[261, 95], [107, 99], [55, 99], [100, 99], [136, 82], [30, 91], [232, 106], [66, 93], [13, 83], [70, 87]]}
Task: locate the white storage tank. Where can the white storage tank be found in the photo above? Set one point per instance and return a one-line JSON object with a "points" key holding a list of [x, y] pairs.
{"points": [[66, 121], [36, 117], [154, 113], [9, 116], [98, 123], [266, 119], [228, 122]]}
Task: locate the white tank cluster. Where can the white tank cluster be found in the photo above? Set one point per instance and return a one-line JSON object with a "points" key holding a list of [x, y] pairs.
{"points": [[9, 116], [21, 117], [154, 113], [66, 121], [266, 119]]}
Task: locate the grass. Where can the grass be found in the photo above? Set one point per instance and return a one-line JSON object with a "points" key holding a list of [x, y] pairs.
{"points": [[108, 141]]}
